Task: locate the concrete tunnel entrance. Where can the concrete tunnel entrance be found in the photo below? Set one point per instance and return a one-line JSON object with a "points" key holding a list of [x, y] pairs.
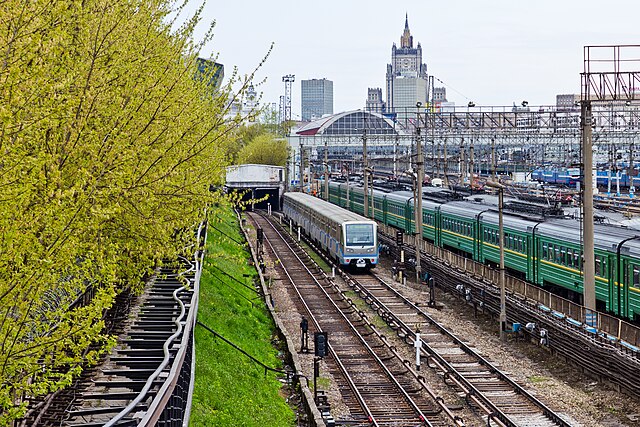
{"points": [[272, 197]]}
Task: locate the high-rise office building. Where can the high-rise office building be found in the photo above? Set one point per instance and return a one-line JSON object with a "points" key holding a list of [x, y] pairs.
{"points": [[317, 98], [407, 81], [375, 104]]}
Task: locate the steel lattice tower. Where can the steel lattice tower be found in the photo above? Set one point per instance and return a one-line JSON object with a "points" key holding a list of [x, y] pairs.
{"points": [[288, 79]]}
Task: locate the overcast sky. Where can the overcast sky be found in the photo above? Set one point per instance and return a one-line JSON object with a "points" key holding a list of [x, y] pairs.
{"points": [[492, 52]]}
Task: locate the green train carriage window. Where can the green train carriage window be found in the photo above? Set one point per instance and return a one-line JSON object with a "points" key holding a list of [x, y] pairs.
{"points": [[636, 275]]}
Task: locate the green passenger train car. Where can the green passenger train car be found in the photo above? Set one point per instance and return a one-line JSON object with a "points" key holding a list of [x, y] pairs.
{"points": [[546, 253]]}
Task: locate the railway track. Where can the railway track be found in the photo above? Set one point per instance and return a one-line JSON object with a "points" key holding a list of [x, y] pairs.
{"points": [[484, 387], [487, 390], [603, 358], [378, 386]]}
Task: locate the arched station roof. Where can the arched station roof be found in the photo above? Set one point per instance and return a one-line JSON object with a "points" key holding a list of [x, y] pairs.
{"points": [[350, 123]]}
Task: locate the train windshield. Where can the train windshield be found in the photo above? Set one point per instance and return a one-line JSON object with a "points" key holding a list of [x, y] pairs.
{"points": [[360, 235]]}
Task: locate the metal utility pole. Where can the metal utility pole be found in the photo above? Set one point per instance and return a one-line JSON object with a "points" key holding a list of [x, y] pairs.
{"points": [[471, 166], [630, 171], [326, 171], [609, 81], [445, 167], [365, 168], [287, 179], [288, 79], [609, 169], [493, 158], [395, 153], [462, 166], [418, 200], [503, 291], [301, 171], [587, 213]]}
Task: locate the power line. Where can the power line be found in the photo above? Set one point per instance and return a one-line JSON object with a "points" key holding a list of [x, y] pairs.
{"points": [[453, 89]]}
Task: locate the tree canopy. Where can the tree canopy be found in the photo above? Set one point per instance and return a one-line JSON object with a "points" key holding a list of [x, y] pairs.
{"points": [[109, 145], [265, 149]]}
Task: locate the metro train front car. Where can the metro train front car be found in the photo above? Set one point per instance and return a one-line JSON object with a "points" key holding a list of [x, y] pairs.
{"points": [[360, 244]]}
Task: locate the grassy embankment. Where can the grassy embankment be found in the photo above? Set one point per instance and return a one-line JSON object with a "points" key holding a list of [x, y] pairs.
{"points": [[230, 389]]}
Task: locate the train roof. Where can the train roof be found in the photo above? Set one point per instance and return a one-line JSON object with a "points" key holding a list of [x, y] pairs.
{"points": [[404, 196], [606, 237], [325, 208], [489, 214]]}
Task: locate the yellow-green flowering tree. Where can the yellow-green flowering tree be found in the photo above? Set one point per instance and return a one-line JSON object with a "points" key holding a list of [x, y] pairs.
{"points": [[108, 145], [265, 149]]}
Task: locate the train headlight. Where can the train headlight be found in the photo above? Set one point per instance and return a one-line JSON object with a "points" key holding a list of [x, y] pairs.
{"points": [[349, 251]]}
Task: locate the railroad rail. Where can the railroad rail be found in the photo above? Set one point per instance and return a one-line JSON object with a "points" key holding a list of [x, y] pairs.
{"points": [[483, 385], [605, 358], [378, 386], [148, 379], [486, 389]]}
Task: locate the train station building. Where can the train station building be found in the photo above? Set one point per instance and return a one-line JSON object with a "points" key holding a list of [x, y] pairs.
{"points": [[342, 136]]}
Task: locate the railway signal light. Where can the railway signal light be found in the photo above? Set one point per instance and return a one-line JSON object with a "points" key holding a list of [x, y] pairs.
{"points": [[399, 238], [320, 343], [304, 328], [260, 235]]}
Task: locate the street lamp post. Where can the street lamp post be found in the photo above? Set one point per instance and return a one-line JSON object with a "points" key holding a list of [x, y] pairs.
{"points": [[326, 171], [503, 306], [301, 171], [418, 199], [365, 174]]}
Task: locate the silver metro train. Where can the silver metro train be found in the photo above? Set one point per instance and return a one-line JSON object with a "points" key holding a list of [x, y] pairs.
{"points": [[350, 239]]}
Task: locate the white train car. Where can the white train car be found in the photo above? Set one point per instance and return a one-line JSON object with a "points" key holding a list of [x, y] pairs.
{"points": [[350, 239]]}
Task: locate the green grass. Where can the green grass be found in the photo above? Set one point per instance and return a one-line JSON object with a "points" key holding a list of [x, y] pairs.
{"points": [[230, 389], [537, 379]]}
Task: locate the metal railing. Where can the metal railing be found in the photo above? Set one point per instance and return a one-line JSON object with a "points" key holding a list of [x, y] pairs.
{"points": [[172, 403]]}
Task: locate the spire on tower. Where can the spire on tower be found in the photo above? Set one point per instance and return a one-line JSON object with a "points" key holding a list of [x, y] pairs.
{"points": [[407, 39]]}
